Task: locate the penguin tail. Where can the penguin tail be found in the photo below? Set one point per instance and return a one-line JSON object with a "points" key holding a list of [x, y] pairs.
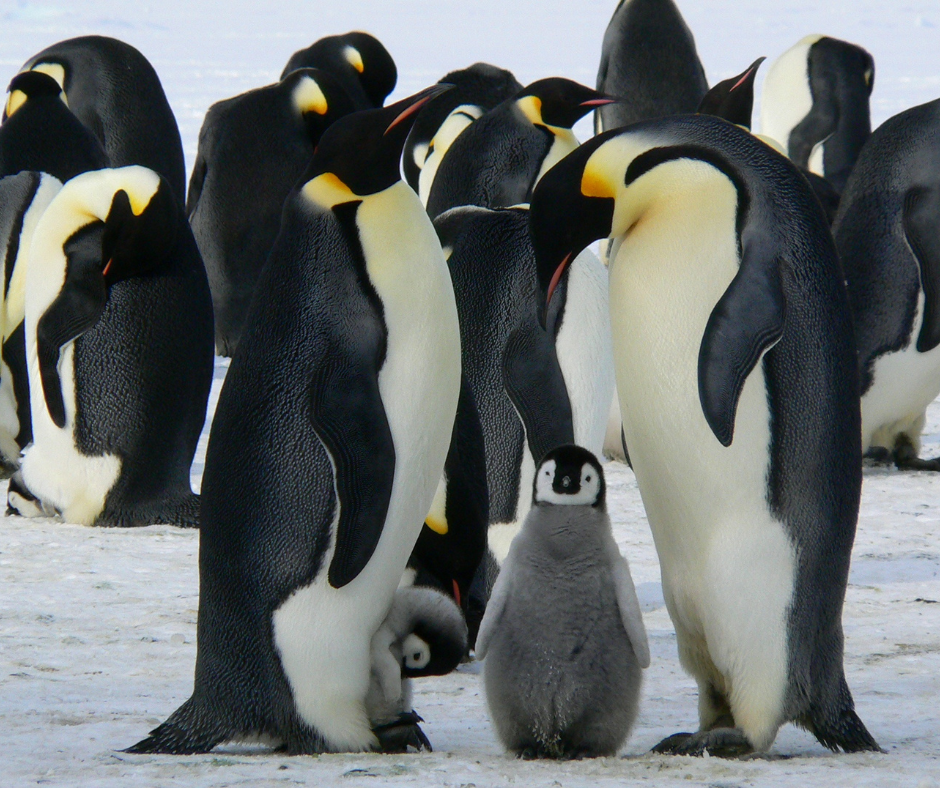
{"points": [[188, 731], [183, 512], [840, 728]]}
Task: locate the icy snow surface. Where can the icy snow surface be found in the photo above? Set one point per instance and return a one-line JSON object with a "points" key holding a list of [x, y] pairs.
{"points": [[97, 627]]}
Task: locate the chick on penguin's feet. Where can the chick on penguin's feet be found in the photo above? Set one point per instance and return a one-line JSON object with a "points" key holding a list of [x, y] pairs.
{"points": [[402, 735]]}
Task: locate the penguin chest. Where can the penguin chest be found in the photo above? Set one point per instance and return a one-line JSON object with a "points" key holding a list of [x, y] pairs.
{"points": [[727, 563]]}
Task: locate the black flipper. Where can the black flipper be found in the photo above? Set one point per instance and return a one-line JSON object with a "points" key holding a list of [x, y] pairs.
{"points": [[533, 380], [922, 228], [746, 321], [349, 417]]}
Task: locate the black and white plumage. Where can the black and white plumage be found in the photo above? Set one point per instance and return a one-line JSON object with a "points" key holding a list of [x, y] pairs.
{"points": [[650, 62], [118, 324], [887, 232], [563, 642], [253, 149], [326, 448], [359, 61], [738, 384], [112, 89]]}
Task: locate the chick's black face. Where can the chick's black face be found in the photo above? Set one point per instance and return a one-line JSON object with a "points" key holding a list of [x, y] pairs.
{"points": [[446, 650], [570, 475], [563, 101]]}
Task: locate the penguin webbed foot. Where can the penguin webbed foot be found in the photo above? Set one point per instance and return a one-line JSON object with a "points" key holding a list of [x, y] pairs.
{"points": [[401, 734], [717, 742], [906, 459], [879, 455]]}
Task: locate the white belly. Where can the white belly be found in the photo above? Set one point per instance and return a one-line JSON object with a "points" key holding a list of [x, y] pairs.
{"points": [[323, 634], [904, 384], [727, 563]]}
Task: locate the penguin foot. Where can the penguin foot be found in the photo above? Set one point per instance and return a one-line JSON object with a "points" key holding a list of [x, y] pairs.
{"points": [[878, 455], [402, 734], [906, 459], [718, 742]]}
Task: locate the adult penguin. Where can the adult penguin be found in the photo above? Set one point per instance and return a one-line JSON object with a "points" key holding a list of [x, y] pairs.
{"points": [[476, 90], [650, 61], [815, 104], [252, 150], [737, 378], [112, 88], [534, 389], [496, 161], [359, 61], [888, 236], [317, 482], [119, 348], [39, 133]]}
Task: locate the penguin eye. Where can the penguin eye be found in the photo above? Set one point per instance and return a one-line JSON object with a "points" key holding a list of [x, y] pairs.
{"points": [[416, 656], [587, 478]]}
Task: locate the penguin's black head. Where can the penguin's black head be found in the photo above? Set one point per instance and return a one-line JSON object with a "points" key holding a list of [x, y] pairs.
{"points": [[559, 102], [570, 475], [733, 99], [30, 85], [438, 638], [363, 150], [566, 215], [319, 98]]}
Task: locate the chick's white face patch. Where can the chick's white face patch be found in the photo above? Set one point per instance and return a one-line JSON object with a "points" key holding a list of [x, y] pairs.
{"points": [[584, 488], [416, 652]]}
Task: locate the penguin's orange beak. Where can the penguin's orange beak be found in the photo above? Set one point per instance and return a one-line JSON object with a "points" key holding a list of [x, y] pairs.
{"points": [[422, 98]]}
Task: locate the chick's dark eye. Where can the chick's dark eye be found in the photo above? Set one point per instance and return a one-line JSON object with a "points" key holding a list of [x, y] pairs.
{"points": [[587, 478], [416, 656]]}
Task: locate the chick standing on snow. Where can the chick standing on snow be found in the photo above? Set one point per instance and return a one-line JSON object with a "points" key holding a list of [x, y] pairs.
{"points": [[563, 636], [424, 634]]}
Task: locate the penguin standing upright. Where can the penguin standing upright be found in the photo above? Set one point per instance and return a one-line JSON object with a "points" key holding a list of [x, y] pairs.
{"points": [[496, 161], [359, 61], [476, 90], [887, 232], [815, 104], [535, 390], [325, 452], [252, 150], [562, 642], [738, 383], [112, 88], [649, 60], [119, 348]]}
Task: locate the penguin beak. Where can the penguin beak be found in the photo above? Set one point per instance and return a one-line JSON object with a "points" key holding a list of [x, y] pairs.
{"points": [[556, 278], [418, 101], [599, 102]]}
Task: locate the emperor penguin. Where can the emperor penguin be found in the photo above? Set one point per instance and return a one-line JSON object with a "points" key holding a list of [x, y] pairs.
{"points": [[887, 232], [118, 324], [815, 104], [252, 150], [477, 89], [112, 88], [424, 634], [358, 60], [40, 133], [738, 383], [495, 161], [23, 199], [733, 98], [340, 400], [649, 60], [535, 389], [562, 641]]}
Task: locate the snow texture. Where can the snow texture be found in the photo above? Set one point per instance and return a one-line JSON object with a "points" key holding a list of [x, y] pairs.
{"points": [[97, 627]]}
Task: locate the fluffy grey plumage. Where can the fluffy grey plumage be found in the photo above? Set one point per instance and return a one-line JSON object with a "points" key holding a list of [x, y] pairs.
{"points": [[563, 638]]}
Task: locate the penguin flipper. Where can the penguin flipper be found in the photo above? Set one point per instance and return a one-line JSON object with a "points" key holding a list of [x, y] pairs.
{"points": [[534, 382], [747, 320], [495, 604], [922, 228], [629, 605], [350, 420]]}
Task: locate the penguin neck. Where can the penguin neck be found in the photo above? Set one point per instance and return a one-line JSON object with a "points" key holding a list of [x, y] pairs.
{"points": [[566, 533]]}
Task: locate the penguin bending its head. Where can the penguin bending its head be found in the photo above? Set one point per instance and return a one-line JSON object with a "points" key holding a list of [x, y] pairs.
{"points": [[298, 573], [887, 232], [358, 60], [424, 634], [115, 92], [496, 161], [736, 372], [253, 148], [562, 641], [118, 324]]}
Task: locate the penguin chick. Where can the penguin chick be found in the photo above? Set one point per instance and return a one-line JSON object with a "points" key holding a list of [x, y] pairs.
{"points": [[563, 635], [424, 634]]}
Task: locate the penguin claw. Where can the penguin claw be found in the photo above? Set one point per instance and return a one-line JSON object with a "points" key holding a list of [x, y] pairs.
{"points": [[402, 735], [718, 742]]}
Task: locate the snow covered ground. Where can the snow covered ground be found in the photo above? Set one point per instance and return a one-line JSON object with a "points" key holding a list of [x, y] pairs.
{"points": [[97, 627]]}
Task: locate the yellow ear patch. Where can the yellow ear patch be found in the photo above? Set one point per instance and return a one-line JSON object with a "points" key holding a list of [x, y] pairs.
{"points": [[531, 107], [437, 517], [328, 190], [16, 100], [354, 58], [596, 184], [308, 97]]}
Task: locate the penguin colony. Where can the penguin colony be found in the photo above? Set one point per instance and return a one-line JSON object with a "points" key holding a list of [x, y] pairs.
{"points": [[403, 463]]}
